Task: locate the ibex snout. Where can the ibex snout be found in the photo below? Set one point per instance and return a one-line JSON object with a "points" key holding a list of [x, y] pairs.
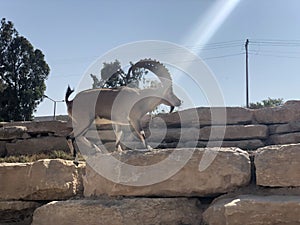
{"points": [[171, 100]]}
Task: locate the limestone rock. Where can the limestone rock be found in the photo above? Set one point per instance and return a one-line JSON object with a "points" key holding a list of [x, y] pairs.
{"points": [[37, 145], [234, 132], [144, 211], [192, 134], [202, 116], [17, 212], [254, 210], [12, 132], [58, 128], [140, 173], [251, 144], [289, 112], [2, 124], [290, 127], [173, 134], [103, 135], [280, 139], [3, 149], [41, 180], [278, 166]]}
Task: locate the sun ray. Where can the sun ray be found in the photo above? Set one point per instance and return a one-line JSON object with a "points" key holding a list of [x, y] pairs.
{"points": [[210, 23]]}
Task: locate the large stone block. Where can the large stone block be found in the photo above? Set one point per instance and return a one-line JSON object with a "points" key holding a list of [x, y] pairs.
{"points": [[2, 124], [144, 211], [289, 112], [192, 134], [290, 127], [42, 180], [251, 144], [3, 151], [234, 132], [12, 132], [55, 127], [281, 139], [254, 210], [103, 135], [17, 212], [207, 172], [37, 145], [203, 116], [213, 133], [278, 166]]}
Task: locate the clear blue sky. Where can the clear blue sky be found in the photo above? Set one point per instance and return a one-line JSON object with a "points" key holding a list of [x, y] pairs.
{"points": [[74, 33]]}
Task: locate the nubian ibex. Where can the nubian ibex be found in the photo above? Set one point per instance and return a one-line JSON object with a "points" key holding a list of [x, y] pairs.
{"points": [[121, 105]]}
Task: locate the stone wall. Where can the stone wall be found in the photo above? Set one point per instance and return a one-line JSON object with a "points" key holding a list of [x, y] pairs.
{"points": [[250, 181], [244, 128], [26, 138]]}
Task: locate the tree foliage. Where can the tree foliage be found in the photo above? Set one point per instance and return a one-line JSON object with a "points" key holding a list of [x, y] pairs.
{"points": [[23, 72], [113, 76], [270, 102]]}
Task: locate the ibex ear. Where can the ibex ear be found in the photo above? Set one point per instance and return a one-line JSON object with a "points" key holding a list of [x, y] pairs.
{"points": [[171, 109]]}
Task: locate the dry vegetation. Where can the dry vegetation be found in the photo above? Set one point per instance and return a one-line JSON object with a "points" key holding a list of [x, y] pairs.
{"points": [[32, 158]]}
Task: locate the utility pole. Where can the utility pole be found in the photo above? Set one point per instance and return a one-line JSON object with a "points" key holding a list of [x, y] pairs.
{"points": [[247, 77]]}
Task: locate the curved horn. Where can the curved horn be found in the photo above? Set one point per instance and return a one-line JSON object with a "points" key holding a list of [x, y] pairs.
{"points": [[155, 67], [163, 75]]}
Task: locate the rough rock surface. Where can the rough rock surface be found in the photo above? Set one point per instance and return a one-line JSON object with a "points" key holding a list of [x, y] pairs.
{"points": [[2, 148], [279, 139], [254, 210], [42, 180], [234, 132], [12, 132], [289, 112], [201, 175], [202, 116], [293, 126], [278, 166], [144, 211], [55, 127], [37, 145], [17, 212], [250, 144]]}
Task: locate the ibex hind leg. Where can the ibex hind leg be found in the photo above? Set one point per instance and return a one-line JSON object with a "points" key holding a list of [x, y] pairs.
{"points": [[71, 143], [81, 128]]}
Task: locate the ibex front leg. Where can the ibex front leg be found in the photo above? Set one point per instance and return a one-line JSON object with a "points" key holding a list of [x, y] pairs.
{"points": [[141, 133], [119, 134]]}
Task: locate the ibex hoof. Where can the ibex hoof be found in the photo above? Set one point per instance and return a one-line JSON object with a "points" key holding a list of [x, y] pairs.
{"points": [[119, 149], [149, 148]]}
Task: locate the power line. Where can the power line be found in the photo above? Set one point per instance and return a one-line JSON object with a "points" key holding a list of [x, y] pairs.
{"points": [[276, 43], [274, 55], [223, 56]]}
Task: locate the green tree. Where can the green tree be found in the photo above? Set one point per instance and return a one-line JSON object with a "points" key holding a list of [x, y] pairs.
{"points": [[270, 102], [23, 71], [113, 76], [2, 86]]}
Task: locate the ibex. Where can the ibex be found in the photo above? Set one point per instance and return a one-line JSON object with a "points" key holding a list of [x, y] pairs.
{"points": [[121, 105]]}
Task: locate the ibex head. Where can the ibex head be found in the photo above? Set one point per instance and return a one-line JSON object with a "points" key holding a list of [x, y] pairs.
{"points": [[168, 96], [170, 99]]}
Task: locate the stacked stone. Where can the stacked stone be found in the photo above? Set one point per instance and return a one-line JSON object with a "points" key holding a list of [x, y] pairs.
{"points": [[27, 138], [214, 186]]}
